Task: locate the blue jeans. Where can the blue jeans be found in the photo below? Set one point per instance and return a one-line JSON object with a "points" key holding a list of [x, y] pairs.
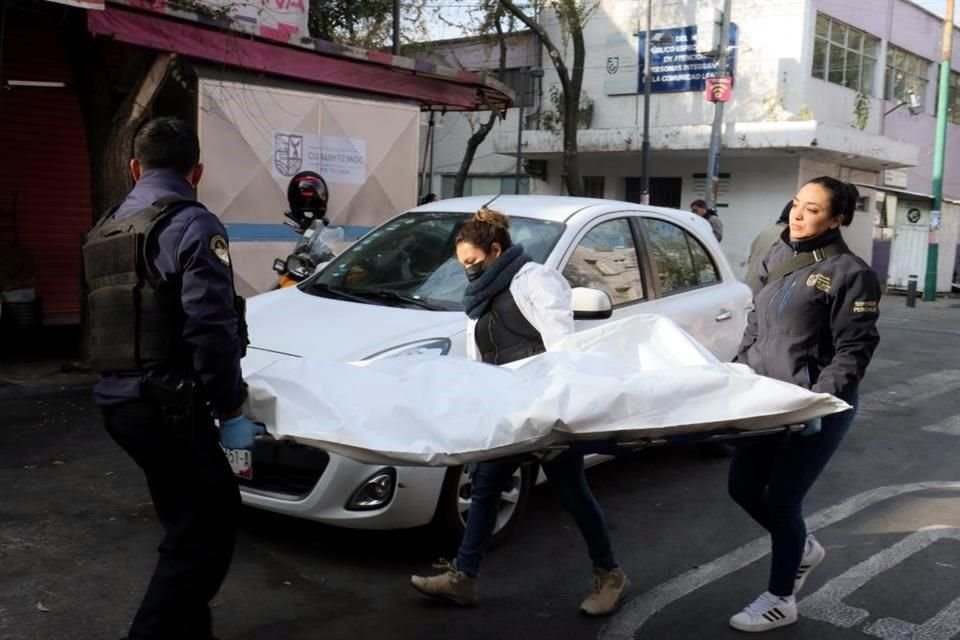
{"points": [[769, 478], [567, 478]]}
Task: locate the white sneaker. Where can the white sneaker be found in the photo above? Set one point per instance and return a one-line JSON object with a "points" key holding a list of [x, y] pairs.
{"points": [[765, 613], [813, 555]]}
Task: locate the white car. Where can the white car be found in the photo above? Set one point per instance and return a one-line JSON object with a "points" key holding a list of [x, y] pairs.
{"points": [[397, 291]]}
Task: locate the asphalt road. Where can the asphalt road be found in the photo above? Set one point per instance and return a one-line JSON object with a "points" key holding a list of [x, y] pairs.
{"points": [[78, 534]]}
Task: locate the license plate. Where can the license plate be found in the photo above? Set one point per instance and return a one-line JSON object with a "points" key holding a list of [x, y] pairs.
{"points": [[241, 462]]}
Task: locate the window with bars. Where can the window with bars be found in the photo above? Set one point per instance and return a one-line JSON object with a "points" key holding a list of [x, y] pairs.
{"points": [[844, 55], [593, 186], [906, 73], [484, 185], [953, 98]]}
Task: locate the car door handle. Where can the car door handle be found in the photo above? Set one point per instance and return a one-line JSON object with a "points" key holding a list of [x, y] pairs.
{"points": [[724, 315]]}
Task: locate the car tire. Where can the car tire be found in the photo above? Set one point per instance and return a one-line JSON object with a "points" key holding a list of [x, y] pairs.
{"points": [[451, 516]]}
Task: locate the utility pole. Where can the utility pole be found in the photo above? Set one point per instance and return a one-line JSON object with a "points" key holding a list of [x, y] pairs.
{"points": [[939, 153], [713, 161], [396, 27], [645, 148]]}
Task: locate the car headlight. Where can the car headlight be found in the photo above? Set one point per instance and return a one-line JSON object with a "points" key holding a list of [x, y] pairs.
{"points": [[375, 492], [433, 346]]}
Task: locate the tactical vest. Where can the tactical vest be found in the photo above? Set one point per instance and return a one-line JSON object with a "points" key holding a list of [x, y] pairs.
{"points": [[135, 318], [504, 335]]}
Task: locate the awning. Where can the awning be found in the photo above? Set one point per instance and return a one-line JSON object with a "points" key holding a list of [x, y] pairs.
{"points": [[97, 5], [313, 61], [902, 192], [808, 138]]}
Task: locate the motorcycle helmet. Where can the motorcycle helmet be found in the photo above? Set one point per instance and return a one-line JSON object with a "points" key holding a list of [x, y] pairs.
{"points": [[307, 198]]}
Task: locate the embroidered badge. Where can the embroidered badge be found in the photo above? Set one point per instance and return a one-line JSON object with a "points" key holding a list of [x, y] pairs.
{"points": [[218, 244], [865, 306], [819, 281]]}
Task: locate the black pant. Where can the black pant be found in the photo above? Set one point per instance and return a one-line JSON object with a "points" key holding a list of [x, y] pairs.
{"points": [[197, 501], [770, 477]]}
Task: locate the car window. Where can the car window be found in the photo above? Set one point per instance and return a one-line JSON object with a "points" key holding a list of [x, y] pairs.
{"points": [[682, 260], [606, 259], [703, 264], [413, 256]]}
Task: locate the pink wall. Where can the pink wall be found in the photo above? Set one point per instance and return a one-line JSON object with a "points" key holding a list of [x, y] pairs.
{"points": [[919, 32]]}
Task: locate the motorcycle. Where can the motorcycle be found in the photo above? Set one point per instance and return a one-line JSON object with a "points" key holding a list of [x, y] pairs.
{"points": [[313, 249]]}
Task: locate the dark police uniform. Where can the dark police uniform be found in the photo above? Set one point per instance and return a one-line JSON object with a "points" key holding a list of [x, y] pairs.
{"points": [[167, 334], [817, 326]]}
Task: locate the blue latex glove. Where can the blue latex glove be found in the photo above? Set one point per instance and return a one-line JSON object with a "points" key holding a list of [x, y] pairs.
{"points": [[812, 427], [239, 432]]}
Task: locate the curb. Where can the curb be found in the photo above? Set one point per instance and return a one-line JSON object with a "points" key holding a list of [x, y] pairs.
{"points": [[27, 390]]}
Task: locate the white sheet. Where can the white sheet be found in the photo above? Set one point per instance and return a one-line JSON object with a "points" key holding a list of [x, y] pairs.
{"points": [[636, 378]]}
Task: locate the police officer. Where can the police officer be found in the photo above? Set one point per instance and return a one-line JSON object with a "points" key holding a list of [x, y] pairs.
{"points": [[814, 324], [167, 334], [700, 208]]}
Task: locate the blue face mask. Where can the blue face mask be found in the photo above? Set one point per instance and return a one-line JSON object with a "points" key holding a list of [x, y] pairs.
{"points": [[475, 270]]}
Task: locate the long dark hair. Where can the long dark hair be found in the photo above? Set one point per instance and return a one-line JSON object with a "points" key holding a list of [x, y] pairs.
{"points": [[843, 197]]}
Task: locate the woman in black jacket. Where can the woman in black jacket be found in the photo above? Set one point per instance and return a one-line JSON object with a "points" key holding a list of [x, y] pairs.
{"points": [[813, 324]]}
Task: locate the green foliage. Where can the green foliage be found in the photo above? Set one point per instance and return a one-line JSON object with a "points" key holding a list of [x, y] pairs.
{"points": [[366, 23], [861, 111], [553, 120]]}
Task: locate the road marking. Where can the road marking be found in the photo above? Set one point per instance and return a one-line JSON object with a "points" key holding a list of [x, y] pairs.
{"points": [[913, 392], [636, 612], [826, 604], [949, 426], [879, 364]]}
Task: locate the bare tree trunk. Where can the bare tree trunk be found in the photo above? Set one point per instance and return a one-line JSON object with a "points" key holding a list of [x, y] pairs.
{"points": [[571, 118], [571, 84], [110, 124], [481, 134]]}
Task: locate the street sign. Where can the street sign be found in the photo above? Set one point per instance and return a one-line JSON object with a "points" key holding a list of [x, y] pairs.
{"points": [[675, 64], [718, 89]]}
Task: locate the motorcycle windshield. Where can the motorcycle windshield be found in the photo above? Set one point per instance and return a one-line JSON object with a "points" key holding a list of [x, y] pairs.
{"points": [[414, 257], [318, 243]]}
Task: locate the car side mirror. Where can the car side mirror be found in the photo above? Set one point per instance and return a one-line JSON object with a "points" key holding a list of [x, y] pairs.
{"points": [[591, 304]]}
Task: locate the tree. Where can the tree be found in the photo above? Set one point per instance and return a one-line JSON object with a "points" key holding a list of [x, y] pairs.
{"points": [[494, 19], [367, 24], [573, 16], [114, 106]]}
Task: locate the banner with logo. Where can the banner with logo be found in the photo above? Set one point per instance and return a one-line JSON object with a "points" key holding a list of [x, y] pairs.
{"points": [[282, 20], [336, 158]]}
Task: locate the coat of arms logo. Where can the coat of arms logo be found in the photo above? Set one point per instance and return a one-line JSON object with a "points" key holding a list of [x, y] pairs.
{"points": [[613, 64], [287, 153]]}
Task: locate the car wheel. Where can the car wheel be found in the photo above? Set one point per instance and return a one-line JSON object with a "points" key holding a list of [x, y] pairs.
{"points": [[454, 505]]}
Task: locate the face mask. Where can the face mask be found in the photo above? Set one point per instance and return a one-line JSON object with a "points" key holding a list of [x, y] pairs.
{"points": [[474, 271]]}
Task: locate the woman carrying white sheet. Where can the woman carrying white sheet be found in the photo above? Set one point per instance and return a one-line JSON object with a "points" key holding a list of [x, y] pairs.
{"points": [[516, 309]]}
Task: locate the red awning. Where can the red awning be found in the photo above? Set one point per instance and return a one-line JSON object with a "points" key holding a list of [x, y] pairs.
{"points": [[155, 31]]}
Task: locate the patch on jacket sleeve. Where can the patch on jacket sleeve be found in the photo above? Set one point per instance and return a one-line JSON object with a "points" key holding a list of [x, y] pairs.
{"points": [[819, 281], [218, 244], [865, 306]]}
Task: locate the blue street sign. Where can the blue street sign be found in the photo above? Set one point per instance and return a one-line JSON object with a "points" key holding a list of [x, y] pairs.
{"points": [[676, 65]]}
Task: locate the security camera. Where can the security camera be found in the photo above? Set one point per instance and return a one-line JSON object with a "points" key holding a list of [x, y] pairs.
{"points": [[914, 104]]}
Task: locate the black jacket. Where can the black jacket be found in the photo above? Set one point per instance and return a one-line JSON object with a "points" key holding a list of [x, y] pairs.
{"points": [[816, 327]]}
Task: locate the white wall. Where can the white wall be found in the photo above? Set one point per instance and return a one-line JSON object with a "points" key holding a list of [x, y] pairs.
{"points": [[759, 187], [769, 53]]}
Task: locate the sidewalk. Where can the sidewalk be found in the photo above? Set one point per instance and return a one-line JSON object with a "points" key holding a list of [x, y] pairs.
{"points": [[43, 360], [939, 316]]}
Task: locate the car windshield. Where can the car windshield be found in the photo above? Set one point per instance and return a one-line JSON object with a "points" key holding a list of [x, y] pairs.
{"points": [[411, 261]]}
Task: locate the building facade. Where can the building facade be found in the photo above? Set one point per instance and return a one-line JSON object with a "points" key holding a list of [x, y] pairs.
{"points": [[820, 87]]}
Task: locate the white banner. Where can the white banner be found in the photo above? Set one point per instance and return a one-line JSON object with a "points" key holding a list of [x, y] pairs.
{"points": [[337, 159]]}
